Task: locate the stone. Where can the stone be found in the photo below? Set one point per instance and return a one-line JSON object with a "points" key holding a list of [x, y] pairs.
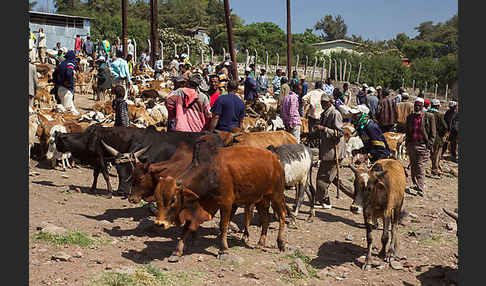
{"points": [[108, 267], [234, 227], [451, 226], [65, 176], [125, 270], [349, 237], [396, 265], [220, 275], [61, 256], [232, 258], [52, 229], [250, 275], [301, 267], [78, 254], [283, 268], [322, 274]]}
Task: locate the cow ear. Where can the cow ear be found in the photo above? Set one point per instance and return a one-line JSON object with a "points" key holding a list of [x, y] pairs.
{"points": [[380, 174], [197, 215], [188, 197]]}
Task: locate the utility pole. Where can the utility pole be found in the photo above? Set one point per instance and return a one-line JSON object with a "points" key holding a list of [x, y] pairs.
{"points": [[154, 30], [289, 42], [231, 45], [124, 27]]}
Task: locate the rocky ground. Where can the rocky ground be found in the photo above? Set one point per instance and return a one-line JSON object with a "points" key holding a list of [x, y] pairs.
{"points": [[77, 238]]}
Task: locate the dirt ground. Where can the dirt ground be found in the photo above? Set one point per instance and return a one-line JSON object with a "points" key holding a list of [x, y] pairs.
{"points": [[128, 249]]}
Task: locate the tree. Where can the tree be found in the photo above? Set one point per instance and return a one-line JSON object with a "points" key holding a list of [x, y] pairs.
{"points": [[331, 28], [32, 4]]}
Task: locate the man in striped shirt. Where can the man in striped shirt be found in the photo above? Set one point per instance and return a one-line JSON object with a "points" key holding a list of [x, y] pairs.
{"points": [[121, 72], [290, 112]]}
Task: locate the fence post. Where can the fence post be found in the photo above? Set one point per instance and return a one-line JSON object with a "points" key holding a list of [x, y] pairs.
{"points": [[413, 86], [135, 52], [314, 68], [305, 66], [297, 64], [256, 58], [340, 70], [278, 60], [188, 51], [447, 89], [350, 68], [344, 70], [435, 93], [202, 55], [425, 88], [403, 82], [149, 46], [266, 61], [162, 53], [175, 49], [359, 73], [328, 73], [323, 68]]}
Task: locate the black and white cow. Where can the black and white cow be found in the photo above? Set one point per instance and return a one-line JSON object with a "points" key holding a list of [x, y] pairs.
{"points": [[297, 162]]}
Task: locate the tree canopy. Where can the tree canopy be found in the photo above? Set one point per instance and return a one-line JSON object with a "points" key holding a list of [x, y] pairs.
{"points": [[332, 28]]}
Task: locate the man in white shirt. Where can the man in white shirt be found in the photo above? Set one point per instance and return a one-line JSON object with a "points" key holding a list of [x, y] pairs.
{"points": [[41, 46], [312, 104], [328, 87], [158, 66]]}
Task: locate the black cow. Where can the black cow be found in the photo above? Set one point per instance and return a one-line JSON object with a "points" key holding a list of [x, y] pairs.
{"points": [[97, 145]]}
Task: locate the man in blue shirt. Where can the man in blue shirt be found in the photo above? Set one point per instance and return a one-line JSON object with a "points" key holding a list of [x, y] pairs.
{"points": [[228, 110], [262, 82], [328, 87], [120, 72], [303, 83]]}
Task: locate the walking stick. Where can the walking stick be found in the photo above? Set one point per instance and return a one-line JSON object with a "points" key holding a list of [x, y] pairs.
{"points": [[337, 163]]}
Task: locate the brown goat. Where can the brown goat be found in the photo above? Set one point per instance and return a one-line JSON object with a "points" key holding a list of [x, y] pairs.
{"points": [[380, 192]]}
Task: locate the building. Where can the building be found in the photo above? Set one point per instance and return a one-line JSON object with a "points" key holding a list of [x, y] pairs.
{"points": [[199, 33], [59, 28], [336, 46]]}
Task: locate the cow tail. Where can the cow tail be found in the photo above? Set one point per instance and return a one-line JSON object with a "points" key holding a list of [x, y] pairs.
{"points": [[309, 182]]}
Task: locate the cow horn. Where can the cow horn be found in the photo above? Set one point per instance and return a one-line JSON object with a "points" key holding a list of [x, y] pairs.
{"points": [[141, 151], [452, 215], [236, 134], [178, 183], [110, 149]]}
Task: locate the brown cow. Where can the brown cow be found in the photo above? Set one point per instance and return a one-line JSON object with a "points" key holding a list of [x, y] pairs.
{"points": [[380, 192], [396, 143], [217, 179], [258, 139]]}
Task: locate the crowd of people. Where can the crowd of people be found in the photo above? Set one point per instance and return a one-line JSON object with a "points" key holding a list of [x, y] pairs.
{"points": [[204, 98]]}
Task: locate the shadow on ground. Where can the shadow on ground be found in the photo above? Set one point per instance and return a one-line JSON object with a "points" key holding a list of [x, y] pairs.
{"points": [[439, 275], [334, 253]]}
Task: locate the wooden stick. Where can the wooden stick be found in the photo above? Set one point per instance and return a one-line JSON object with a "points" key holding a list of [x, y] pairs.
{"points": [[337, 162]]}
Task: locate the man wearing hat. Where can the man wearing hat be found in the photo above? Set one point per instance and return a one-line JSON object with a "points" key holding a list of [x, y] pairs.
{"points": [[452, 127], [188, 109], [370, 133], [420, 138], [331, 134], [302, 93], [158, 66], [284, 90], [174, 66], [361, 96], [441, 129]]}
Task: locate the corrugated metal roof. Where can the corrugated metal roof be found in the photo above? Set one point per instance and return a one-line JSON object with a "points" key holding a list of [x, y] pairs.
{"points": [[336, 41], [59, 15]]}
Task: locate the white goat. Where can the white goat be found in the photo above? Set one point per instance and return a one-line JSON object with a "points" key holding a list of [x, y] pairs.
{"points": [[52, 153]]}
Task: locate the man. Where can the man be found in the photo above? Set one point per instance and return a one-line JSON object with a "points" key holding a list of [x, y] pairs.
{"points": [[214, 90], [41, 46], [63, 77], [59, 57], [210, 67], [313, 100], [32, 49], [441, 129], [302, 93], [57, 47], [426, 105], [253, 71], [420, 137], [228, 110], [188, 109], [398, 97], [328, 87], [158, 66], [294, 80], [174, 66], [386, 113], [250, 88], [371, 102], [370, 133], [452, 128], [361, 96], [33, 83], [130, 47], [276, 83], [88, 47], [121, 73], [290, 112], [262, 82], [106, 48], [78, 43], [346, 94], [184, 71], [104, 79], [331, 133], [284, 90]]}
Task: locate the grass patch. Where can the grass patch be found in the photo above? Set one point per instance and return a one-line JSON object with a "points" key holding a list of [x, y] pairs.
{"points": [[148, 275], [294, 273], [71, 238]]}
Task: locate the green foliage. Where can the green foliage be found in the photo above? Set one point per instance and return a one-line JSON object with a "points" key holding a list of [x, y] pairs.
{"points": [[72, 238], [331, 28]]}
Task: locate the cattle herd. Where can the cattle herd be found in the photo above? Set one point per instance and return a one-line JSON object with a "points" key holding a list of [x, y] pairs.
{"points": [[193, 175]]}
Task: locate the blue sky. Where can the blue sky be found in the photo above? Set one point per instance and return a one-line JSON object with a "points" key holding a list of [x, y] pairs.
{"points": [[371, 19]]}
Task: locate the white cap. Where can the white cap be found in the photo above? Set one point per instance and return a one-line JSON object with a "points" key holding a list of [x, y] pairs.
{"points": [[360, 109], [452, 103], [101, 58], [248, 69], [184, 55], [435, 102], [419, 99], [365, 85], [226, 63]]}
